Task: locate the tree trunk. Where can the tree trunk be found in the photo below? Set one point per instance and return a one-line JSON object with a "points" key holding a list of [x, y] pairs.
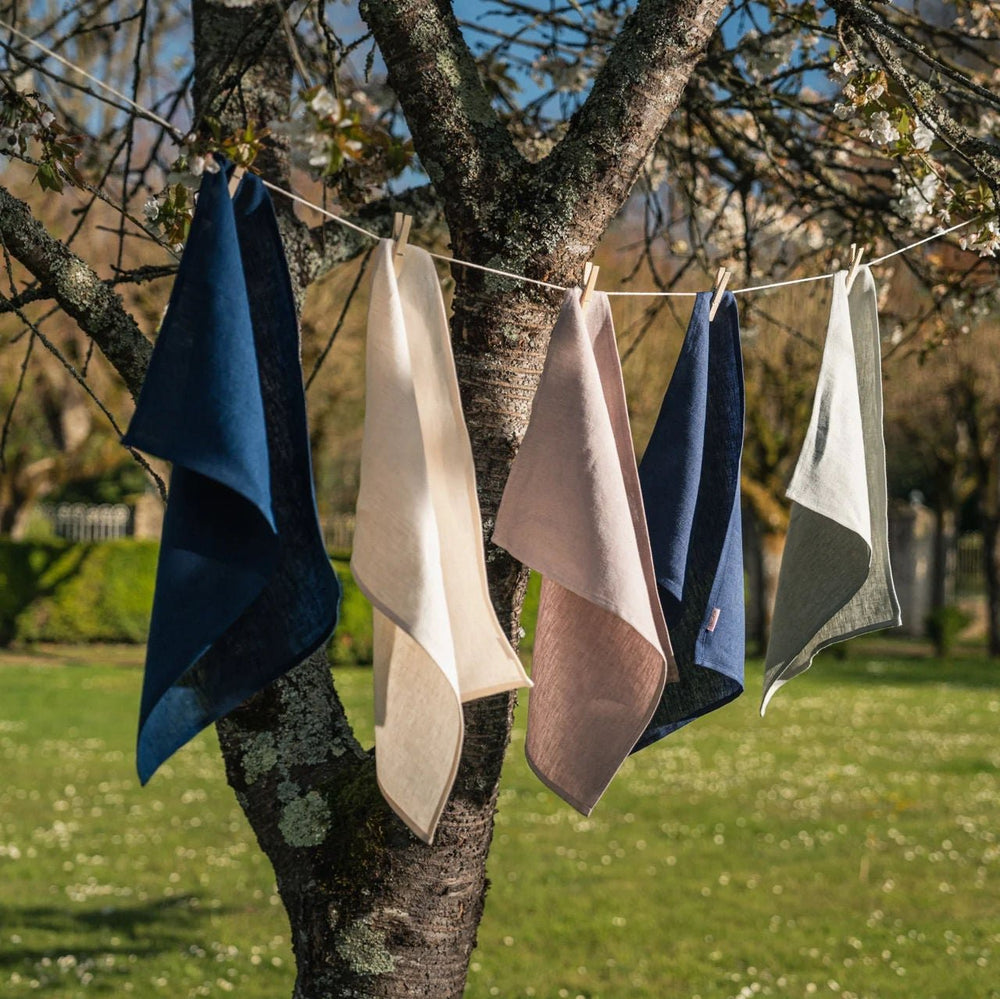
{"points": [[772, 545], [943, 580], [375, 913]]}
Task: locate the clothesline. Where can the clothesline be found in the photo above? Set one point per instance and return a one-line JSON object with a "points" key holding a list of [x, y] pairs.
{"points": [[339, 219]]}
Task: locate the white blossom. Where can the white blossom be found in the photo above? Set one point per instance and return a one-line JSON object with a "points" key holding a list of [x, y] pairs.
{"points": [[916, 201], [196, 166], [923, 137], [881, 130], [151, 209], [766, 54], [846, 66], [873, 92], [843, 111], [323, 103], [986, 241], [47, 119]]}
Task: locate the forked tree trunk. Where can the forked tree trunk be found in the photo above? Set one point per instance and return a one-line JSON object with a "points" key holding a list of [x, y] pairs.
{"points": [[374, 913]]}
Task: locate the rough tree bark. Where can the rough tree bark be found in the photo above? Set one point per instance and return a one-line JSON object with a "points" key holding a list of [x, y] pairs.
{"points": [[374, 913]]}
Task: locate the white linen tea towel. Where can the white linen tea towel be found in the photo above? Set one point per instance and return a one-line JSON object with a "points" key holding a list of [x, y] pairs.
{"points": [[835, 580], [418, 545]]}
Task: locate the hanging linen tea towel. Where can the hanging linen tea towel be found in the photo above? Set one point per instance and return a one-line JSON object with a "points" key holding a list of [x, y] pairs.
{"points": [[418, 545], [690, 476], [835, 580], [572, 509], [244, 588]]}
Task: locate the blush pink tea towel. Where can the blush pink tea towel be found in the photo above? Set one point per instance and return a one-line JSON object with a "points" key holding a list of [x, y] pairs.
{"points": [[418, 546], [572, 509]]}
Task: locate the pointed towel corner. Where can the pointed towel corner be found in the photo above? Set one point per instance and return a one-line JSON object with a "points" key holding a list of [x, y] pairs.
{"points": [[244, 588], [418, 545], [572, 509], [835, 580], [690, 475]]}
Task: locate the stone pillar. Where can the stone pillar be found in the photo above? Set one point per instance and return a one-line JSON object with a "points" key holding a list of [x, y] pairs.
{"points": [[911, 551]]}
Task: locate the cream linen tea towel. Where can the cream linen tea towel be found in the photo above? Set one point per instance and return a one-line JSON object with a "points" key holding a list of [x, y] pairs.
{"points": [[418, 545], [835, 579], [572, 509]]}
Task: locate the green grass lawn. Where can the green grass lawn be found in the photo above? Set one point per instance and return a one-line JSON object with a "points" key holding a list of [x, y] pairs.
{"points": [[846, 845]]}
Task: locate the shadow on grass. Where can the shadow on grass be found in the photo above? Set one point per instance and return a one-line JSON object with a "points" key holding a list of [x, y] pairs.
{"points": [[146, 930]]}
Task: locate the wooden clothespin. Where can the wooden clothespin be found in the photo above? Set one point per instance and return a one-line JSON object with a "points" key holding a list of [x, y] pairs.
{"points": [[400, 234], [235, 178], [590, 272], [856, 255], [721, 280]]}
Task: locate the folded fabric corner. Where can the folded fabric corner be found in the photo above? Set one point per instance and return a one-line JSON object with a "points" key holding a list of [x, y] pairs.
{"points": [[244, 589]]}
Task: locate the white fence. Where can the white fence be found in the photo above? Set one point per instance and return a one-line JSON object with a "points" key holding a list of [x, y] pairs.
{"points": [[339, 533], [86, 522]]}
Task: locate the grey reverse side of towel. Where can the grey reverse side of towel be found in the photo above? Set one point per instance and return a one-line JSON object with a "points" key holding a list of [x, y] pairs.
{"points": [[835, 580]]}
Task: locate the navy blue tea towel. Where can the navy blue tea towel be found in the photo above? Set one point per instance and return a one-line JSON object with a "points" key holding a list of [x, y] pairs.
{"points": [[690, 477], [244, 588]]}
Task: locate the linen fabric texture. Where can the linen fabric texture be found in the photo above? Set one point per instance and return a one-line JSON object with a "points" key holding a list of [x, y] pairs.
{"points": [[690, 477], [244, 588], [418, 545], [572, 509], [835, 580]]}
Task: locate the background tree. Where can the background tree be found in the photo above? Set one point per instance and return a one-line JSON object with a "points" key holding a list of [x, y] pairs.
{"points": [[741, 115]]}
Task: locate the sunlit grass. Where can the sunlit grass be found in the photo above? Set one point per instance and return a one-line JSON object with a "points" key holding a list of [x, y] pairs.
{"points": [[845, 845]]}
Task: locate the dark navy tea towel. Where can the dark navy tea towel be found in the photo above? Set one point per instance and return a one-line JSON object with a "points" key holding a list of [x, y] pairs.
{"points": [[244, 588], [690, 477]]}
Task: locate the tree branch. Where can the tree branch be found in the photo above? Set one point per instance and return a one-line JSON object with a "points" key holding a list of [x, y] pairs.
{"points": [[77, 288], [633, 96], [457, 134], [335, 244]]}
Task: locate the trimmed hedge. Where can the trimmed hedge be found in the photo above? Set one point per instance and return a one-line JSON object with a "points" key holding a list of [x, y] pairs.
{"points": [[57, 591], [352, 641]]}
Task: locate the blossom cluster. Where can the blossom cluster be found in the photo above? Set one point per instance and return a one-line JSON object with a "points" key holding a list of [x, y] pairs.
{"points": [[338, 140], [922, 190], [985, 240], [30, 131]]}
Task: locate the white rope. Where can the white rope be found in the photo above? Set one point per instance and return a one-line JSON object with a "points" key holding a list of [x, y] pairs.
{"points": [[322, 211], [152, 116], [926, 239]]}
